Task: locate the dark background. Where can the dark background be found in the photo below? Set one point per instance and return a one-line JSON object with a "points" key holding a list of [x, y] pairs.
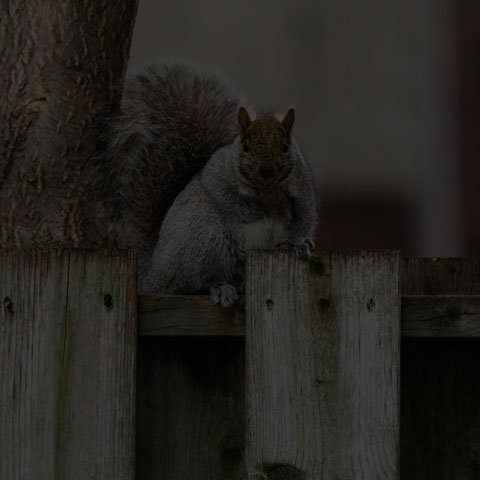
{"points": [[387, 104]]}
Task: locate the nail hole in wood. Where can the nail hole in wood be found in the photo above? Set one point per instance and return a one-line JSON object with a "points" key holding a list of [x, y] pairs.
{"points": [[269, 304], [370, 304], [108, 302], [323, 304], [8, 305]]}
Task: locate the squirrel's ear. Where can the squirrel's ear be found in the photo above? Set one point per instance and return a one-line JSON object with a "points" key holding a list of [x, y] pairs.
{"points": [[288, 120], [244, 120]]}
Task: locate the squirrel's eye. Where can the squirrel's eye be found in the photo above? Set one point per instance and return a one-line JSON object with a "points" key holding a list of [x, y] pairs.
{"points": [[285, 147], [245, 147]]}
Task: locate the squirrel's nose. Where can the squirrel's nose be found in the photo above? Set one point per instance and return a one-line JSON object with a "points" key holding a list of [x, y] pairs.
{"points": [[266, 171]]}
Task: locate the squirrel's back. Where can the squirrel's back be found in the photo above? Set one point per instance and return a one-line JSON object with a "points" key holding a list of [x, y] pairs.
{"points": [[173, 117]]}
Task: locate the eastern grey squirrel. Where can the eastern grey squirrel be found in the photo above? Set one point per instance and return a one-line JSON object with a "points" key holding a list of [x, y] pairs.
{"points": [[182, 136]]}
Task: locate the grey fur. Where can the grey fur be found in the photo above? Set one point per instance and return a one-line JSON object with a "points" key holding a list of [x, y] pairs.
{"points": [[203, 239], [172, 118]]}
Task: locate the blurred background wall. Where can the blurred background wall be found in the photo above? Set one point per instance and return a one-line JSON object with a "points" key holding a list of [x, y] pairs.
{"points": [[387, 97]]}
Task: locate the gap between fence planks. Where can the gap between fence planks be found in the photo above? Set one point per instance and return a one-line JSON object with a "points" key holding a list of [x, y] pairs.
{"points": [[423, 316]]}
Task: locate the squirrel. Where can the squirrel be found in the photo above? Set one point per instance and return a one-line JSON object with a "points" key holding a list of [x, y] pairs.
{"points": [[192, 182]]}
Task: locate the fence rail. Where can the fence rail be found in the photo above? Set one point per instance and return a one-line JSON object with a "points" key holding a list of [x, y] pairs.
{"points": [[422, 316]]}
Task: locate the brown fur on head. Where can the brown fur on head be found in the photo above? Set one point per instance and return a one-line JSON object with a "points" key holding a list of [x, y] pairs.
{"points": [[265, 159]]}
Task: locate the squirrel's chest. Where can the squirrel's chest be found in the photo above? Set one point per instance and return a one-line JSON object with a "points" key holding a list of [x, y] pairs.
{"points": [[274, 203], [262, 234]]}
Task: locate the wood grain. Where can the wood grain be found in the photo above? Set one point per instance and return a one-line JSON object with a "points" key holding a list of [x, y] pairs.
{"points": [[441, 316], [322, 353], [440, 379], [191, 412], [423, 316], [68, 350], [33, 292], [189, 315], [441, 276]]}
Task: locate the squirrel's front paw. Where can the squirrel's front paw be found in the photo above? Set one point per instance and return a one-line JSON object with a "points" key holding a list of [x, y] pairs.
{"points": [[305, 248], [224, 294], [302, 249]]}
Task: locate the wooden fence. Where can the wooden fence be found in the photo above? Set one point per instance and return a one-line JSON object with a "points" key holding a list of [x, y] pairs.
{"points": [[300, 380]]}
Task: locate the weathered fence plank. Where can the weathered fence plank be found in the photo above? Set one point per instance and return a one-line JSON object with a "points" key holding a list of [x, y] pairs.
{"points": [[322, 353], [441, 276], [191, 413], [33, 292], [67, 379], [440, 410], [441, 381]]}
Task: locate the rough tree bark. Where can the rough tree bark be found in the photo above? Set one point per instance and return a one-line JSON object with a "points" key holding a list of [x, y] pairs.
{"points": [[61, 61]]}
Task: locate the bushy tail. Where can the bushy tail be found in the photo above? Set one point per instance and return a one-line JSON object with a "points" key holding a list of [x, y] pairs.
{"points": [[173, 116]]}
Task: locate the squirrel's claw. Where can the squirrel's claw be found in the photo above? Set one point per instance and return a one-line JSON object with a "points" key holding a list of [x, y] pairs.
{"points": [[303, 249], [310, 243], [224, 294]]}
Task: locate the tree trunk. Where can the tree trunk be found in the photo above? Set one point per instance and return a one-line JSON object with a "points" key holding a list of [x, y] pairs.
{"points": [[62, 62]]}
